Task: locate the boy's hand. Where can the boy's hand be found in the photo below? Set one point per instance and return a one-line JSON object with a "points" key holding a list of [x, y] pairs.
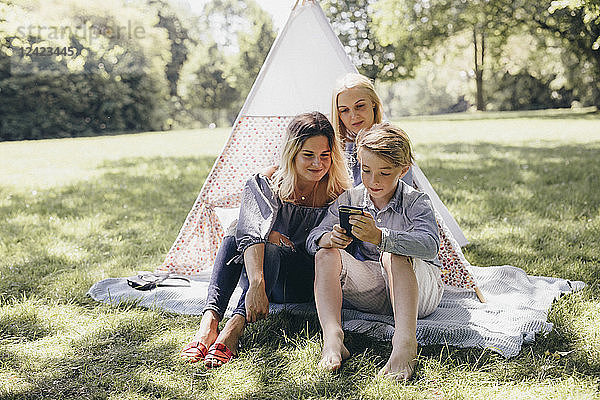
{"points": [[363, 227], [335, 239]]}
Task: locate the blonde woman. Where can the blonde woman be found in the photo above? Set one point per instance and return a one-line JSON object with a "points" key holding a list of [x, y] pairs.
{"points": [[355, 107], [268, 253]]}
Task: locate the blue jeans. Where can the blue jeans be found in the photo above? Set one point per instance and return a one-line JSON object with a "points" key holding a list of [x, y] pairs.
{"points": [[289, 277]]}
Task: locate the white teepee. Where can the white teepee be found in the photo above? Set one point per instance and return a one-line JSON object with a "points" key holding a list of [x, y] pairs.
{"points": [[297, 76]]}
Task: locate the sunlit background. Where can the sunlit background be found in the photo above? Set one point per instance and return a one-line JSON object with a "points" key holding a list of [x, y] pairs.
{"points": [[80, 68]]}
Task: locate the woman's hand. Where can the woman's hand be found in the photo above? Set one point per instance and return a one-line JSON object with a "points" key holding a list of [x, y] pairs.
{"points": [[335, 239], [363, 228], [280, 240], [257, 303], [268, 172]]}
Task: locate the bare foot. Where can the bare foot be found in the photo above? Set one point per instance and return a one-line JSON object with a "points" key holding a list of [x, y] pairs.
{"points": [[209, 329], [206, 336], [232, 332], [334, 352], [401, 363]]}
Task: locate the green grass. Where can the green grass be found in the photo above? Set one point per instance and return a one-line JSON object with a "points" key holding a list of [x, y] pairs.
{"points": [[525, 189]]}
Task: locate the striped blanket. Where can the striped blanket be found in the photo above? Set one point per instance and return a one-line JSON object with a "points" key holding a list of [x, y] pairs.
{"points": [[516, 309]]}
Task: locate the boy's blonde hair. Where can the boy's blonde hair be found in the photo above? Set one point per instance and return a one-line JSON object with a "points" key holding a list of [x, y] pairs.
{"points": [[387, 141], [353, 81], [303, 127]]}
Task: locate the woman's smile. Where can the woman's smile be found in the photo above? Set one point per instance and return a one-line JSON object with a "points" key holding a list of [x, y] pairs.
{"points": [[313, 160]]}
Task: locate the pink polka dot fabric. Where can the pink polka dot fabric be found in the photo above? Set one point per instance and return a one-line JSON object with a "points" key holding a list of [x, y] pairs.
{"points": [[255, 144], [454, 264]]}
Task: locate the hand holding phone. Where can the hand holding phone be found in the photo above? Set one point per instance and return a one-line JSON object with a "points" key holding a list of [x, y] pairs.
{"points": [[345, 212]]}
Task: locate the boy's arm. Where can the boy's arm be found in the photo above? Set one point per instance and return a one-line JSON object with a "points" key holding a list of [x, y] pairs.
{"points": [[422, 241], [331, 218]]}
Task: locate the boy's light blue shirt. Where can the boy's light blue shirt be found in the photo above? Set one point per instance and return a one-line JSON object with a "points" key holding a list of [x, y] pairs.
{"points": [[407, 223]]}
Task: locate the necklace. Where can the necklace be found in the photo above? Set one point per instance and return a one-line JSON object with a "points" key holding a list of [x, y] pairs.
{"points": [[304, 197]]}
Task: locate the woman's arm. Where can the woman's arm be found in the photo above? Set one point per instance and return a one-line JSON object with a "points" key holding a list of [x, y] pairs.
{"points": [[257, 213], [257, 303]]}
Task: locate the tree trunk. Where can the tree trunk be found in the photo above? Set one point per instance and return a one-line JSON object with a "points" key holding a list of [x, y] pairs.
{"points": [[479, 56]]}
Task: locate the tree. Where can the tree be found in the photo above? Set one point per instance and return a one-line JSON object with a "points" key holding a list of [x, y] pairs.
{"points": [[113, 81], [254, 44], [576, 23], [233, 39], [204, 87], [425, 25], [353, 24], [175, 24]]}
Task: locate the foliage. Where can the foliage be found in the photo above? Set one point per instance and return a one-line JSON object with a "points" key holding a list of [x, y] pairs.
{"points": [[254, 44], [127, 69], [441, 84], [233, 40], [114, 81], [353, 23], [576, 24], [177, 27], [526, 92], [427, 25], [204, 85], [568, 30], [44, 106]]}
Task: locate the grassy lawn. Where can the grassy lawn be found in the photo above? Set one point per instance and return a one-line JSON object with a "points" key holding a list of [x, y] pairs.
{"points": [[525, 188]]}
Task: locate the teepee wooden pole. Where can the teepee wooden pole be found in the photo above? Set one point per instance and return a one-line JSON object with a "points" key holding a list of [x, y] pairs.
{"points": [[479, 295], [303, 3]]}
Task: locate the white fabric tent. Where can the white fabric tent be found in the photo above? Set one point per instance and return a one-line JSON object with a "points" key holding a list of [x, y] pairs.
{"points": [[298, 76]]}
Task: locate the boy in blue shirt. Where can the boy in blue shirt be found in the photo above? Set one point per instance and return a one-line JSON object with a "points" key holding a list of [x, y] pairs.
{"points": [[393, 266]]}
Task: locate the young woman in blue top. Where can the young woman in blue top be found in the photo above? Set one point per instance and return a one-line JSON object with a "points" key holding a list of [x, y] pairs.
{"points": [[267, 254]]}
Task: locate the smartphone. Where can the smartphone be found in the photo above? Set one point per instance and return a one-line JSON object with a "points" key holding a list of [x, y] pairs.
{"points": [[345, 212]]}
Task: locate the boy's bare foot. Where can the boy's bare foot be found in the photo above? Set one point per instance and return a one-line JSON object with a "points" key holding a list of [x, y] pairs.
{"points": [[401, 363], [334, 352]]}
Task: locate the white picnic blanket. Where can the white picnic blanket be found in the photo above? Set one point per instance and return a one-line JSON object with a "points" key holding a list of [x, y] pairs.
{"points": [[516, 309]]}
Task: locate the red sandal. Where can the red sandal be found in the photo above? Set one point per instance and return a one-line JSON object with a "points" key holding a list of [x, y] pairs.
{"points": [[194, 352], [218, 354]]}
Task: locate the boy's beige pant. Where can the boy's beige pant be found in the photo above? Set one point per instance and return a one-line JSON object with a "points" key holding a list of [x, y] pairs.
{"points": [[365, 285]]}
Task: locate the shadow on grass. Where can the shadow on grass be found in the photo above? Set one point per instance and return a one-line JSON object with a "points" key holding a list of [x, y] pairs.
{"points": [[104, 363], [25, 326], [533, 207], [122, 221]]}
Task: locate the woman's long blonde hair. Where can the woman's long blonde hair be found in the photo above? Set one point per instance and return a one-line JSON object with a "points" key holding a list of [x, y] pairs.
{"points": [[353, 81], [303, 127]]}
